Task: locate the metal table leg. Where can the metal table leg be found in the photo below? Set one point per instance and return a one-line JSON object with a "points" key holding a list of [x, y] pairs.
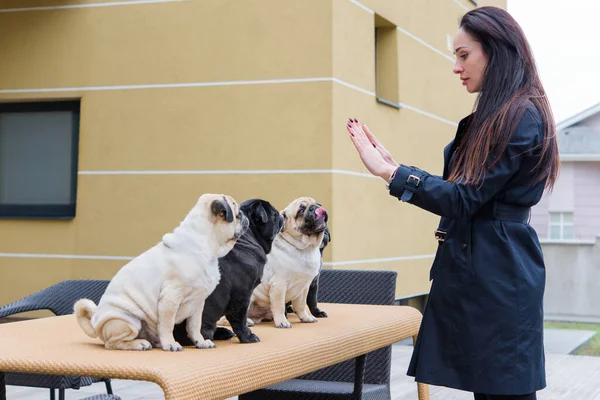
{"points": [[2, 386], [359, 374]]}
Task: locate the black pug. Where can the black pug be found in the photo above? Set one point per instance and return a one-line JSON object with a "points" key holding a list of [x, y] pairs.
{"points": [[313, 290], [241, 271]]}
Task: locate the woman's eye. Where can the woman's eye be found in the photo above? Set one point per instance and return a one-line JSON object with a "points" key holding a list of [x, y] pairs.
{"points": [[463, 56]]}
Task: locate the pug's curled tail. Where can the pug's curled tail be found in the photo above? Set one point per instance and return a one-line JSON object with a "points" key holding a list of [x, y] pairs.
{"points": [[84, 311]]}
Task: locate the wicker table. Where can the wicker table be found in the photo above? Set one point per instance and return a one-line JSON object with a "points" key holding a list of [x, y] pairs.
{"points": [[56, 345]]}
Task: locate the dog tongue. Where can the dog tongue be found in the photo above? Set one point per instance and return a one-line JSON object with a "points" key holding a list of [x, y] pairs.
{"points": [[320, 212]]}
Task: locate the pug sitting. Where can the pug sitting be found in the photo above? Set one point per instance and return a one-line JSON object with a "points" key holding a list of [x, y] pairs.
{"points": [[168, 283], [313, 292], [241, 271], [292, 264]]}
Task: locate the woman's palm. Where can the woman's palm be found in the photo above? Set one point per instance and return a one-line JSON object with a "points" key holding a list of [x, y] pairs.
{"points": [[387, 157]]}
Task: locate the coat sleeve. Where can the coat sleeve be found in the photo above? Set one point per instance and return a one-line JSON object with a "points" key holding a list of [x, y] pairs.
{"points": [[459, 201]]}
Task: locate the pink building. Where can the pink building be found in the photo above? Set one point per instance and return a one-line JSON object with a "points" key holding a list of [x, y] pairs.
{"points": [[572, 210]]}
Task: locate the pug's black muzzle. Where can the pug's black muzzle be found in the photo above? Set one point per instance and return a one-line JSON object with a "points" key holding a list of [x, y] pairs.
{"points": [[313, 223]]}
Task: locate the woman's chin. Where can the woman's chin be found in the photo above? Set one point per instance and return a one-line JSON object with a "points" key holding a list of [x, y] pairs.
{"points": [[471, 89]]}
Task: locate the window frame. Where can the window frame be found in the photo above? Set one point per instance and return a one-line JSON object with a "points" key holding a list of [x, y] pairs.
{"points": [[392, 96], [561, 224], [48, 211]]}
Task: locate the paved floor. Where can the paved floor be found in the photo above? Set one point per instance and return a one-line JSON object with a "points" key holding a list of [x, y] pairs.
{"points": [[565, 341], [568, 377]]}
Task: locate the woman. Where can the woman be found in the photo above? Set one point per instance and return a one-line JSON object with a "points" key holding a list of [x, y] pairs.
{"points": [[482, 328]]}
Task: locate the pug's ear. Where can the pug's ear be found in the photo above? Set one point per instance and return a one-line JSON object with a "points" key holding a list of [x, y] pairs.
{"points": [[220, 208], [260, 214], [284, 215]]}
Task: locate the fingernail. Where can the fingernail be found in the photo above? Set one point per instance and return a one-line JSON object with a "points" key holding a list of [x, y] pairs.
{"points": [[355, 120], [349, 126], [374, 145]]}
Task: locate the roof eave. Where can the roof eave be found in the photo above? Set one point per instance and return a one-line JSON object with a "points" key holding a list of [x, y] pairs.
{"points": [[578, 117]]}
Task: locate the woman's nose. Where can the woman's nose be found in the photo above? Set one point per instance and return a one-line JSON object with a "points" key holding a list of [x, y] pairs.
{"points": [[457, 68]]}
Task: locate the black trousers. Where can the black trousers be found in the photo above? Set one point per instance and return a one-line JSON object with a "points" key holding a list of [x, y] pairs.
{"points": [[479, 396]]}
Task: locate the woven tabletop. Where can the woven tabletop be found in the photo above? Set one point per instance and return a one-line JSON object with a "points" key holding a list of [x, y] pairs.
{"points": [[57, 345]]}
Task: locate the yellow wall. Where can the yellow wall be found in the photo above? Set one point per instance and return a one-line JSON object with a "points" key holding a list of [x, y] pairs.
{"points": [[195, 86]]}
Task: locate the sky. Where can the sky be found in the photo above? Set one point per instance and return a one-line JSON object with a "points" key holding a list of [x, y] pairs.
{"points": [[565, 40]]}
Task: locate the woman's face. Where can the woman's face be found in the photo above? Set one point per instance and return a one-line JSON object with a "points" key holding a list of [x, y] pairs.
{"points": [[470, 61]]}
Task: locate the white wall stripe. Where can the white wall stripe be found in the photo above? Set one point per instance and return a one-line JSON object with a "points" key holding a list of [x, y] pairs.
{"points": [[367, 9], [462, 5], [447, 121], [164, 85], [379, 260], [89, 5], [424, 43], [65, 256], [409, 296], [221, 83], [230, 172], [410, 35], [351, 86], [128, 258]]}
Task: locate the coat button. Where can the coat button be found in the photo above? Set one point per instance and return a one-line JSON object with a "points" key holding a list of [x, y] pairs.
{"points": [[463, 245]]}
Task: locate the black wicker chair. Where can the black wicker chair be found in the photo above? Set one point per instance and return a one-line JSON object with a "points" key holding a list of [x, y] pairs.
{"points": [[59, 299], [338, 381]]}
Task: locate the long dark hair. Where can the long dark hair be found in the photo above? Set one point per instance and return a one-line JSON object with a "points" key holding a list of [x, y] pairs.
{"points": [[510, 80]]}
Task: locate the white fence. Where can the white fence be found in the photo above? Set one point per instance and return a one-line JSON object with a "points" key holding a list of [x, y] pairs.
{"points": [[572, 280]]}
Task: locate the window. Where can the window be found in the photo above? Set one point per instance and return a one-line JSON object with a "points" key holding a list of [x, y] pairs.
{"points": [[561, 225], [386, 62], [38, 159]]}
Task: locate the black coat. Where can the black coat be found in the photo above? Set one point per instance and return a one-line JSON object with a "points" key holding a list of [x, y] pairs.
{"points": [[482, 328]]}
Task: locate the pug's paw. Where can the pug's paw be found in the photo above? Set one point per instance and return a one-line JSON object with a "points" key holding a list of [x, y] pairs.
{"points": [[205, 344], [174, 346], [318, 313], [283, 324]]}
